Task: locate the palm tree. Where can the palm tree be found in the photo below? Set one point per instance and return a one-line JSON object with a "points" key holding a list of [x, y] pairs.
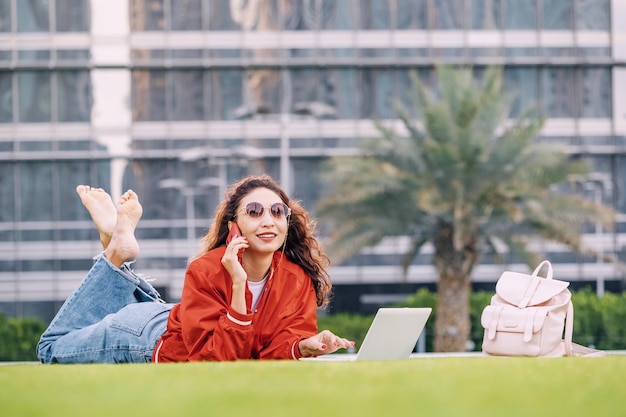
{"points": [[464, 179]]}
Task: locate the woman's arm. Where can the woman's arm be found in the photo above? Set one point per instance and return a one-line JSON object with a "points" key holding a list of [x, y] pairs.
{"points": [[291, 320], [212, 329], [295, 320]]}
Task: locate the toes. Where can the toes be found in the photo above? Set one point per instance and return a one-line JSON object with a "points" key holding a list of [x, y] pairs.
{"points": [[128, 195]]}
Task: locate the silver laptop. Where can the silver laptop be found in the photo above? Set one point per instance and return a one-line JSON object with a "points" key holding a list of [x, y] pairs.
{"points": [[392, 335]]}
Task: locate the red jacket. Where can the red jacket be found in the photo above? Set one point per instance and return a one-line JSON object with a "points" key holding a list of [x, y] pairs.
{"points": [[203, 327]]}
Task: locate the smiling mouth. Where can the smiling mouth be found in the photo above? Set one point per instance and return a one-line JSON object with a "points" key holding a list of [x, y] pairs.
{"points": [[266, 236]]}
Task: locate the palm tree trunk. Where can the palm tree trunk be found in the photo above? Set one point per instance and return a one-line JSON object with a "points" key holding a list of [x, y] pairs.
{"points": [[452, 324]]}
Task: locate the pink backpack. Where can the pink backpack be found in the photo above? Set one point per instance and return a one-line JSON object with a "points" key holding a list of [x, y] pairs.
{"points": [[531, 316]]}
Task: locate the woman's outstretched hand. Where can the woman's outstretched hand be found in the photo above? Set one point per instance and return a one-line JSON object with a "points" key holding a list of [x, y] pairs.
{"points": [[323, 343]]}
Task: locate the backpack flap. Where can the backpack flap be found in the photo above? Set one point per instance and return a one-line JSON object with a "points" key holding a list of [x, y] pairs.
{"points": [[512, 320], [524, 290]]}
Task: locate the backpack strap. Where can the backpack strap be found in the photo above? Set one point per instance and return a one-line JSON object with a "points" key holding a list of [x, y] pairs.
{"points": [[548, 274], [530, 291], [534, 283], [530, 324], [579, 350], [569, 330], [493, 326]]}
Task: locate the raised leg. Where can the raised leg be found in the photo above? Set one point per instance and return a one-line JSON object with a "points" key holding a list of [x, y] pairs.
{"points": [[105, 317], [123, 245], [102, 210]]}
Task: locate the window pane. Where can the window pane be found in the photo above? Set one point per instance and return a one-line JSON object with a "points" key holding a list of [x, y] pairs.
{"points": [[220, 16], [306, 181], [32, 16], [486, 14], [596, 92], [337, 15], [376, 93], [592, 15], [304, 90], [33, 55], [7, 192], [305, 54], [149, 95], [74, 145], [558, 52], [374, 14], [34, 96], [521, 14], [557, 14], [412, 14], [558, 92], [300, 15], [187, 53], [517, 52], [521, 85], [338, 91], [35, 145], [5, 16], [256, 15], [147, 15], [80, 55], [263, 90], [72, 172], [187, 97], [186, 14], [74, 96], [35, 197], [6, 97], [225, 54], [620, 180], [225, 93], [73, 16], [405, 87], [449, 14]]}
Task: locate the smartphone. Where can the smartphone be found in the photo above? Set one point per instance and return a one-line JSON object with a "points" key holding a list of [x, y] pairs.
{"points": [[233, 233]]}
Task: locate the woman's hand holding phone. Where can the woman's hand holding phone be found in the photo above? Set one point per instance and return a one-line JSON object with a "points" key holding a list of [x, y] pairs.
{"points": [[236, 243]]}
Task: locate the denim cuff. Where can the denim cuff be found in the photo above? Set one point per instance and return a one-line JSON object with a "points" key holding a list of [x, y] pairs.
{"points": [[145, 291], [124, 270]]}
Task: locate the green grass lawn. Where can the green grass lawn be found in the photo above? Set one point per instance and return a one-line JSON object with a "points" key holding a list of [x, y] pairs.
{"points": [[465, 386]]}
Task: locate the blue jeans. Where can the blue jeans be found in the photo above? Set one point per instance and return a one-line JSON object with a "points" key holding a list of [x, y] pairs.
{"points": [[114, 316]]}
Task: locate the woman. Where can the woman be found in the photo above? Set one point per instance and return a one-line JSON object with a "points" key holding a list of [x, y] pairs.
{"points": [[253, 298]]}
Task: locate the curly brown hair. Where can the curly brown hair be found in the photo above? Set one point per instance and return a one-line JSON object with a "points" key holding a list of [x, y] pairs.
{"points": [[301, 246]]}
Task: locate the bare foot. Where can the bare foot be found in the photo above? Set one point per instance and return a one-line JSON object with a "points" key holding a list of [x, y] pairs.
{"points": [[123, 245], [102, 210]]}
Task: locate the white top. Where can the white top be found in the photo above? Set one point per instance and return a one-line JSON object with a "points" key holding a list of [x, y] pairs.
{"points": [[256, 288]]}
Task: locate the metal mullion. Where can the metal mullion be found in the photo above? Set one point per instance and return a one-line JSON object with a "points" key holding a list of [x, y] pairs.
{"points": [[13, 5], [52, 16], [16, 101], [54, 102], [167, 16]]}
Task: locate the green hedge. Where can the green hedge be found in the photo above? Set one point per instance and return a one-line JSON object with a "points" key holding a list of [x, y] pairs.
{"points": [[19, 337], [598, 322]]}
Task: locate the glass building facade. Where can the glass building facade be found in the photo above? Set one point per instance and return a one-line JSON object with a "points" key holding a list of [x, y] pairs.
{"points": [[176, 99]]}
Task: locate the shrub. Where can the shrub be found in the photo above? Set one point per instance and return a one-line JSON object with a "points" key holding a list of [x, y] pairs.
{"points": [[350, 326], [19, 337], [598, 322]]}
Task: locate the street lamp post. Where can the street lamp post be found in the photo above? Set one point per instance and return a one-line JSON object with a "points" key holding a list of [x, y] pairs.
{"points": [[597, 183]]}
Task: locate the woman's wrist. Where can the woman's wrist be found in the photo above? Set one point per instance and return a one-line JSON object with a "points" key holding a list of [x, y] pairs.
{"points": [[238, 300], [304, 352]]}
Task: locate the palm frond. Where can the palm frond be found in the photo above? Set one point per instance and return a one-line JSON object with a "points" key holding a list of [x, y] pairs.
{"points": [[463, 166]]}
